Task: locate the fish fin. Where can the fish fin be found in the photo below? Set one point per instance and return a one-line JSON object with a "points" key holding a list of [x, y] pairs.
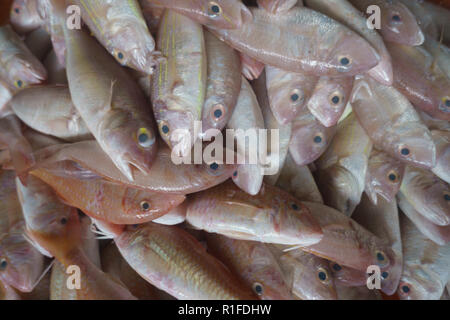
{"points": [[436, 51], [361, 91], [43, 274], [36, 245], [246, 14]]}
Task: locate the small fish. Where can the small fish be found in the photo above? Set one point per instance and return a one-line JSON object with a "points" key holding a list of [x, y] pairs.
{"points": [[384, 176], [121, 29], [105, 200], [425, 267], [329, 99], [179, 85], [49, 109], [392, 123], [428, 194], [301, 40], [342, 168], [223, 84], [18, 67], [288, 92], [175, 262], [278, 6], [251, 69], [253, 263], [271, 216], [398, 24], [309, 138], [24, 16], [442, 141]]}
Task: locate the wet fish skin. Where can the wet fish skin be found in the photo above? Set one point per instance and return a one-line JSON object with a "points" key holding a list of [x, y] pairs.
{"points": [[278, 6], [442, 141], [272, 216], [174, 261], [291, 42], [424, 18], [179, 86], [392, 123], [253, 263], [384, 176], [24, 16], [428, 195]]}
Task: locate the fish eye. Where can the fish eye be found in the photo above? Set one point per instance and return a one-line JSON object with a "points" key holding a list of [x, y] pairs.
{"points": [[145, 138], [17, 10], [446, 196], [296, 96], [119, 54], [214, 9], [3, 264], [164, 128], [405, 289], [258, 288], [335, 99], [214, 166], [295, 207], [18, 83], [404, 151], [396, 18], [322, 275], [145, 206], [318, 138], [446, 101], [385, 275], [381, 257], [63, 220], [337, 267], [218, 112], [235, 174], [345, 61], [392, 176]]}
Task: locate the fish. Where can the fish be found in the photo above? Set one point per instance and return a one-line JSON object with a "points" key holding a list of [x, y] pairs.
{"points": [[175, 262], [425, 267], [223, 14], [384, 176], [10, 210], [278, 6], [114, 203], [288, 92], [438, 234], [347, 277], [49, 109], [440, 53], [329, 99], [120, 27], [382, 219], [18, 67], [56, 71], [344, 12], [424, 18], [247, 120], [428, 194], [8, 293], [179, 85], [24, 16], [5, 96], [309, 138], [301, 40], [392, 123], [442, 142], [342, 167], [113, 107], [398, 24], [175, 216], [39, 43], [223, 84], [251, 69], [357, 293], [253, 263], [271, 216], [165, 176], [440, 17], [424, 84]]}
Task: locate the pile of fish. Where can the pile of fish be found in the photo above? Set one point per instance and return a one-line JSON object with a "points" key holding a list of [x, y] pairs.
{"points": [[92, 205]]}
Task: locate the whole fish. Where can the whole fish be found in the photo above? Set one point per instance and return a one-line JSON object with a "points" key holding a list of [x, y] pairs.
{"points": [[253, 263], [382, 219], [56, 71], [384, 176], [398, 24], [251, 69], [271, 216], [425, 267], [49, 109], [104, 200], [223, 14], [175, 216], [392, 123], [120, 27], [278, 6], [298, 181], [329, 99], [438, 234], [179, 82], [428, 194], [288, 92], [342, 168], [309, 138], [174, 261], [420, 80], [18, 67], [343, 12], [24, 16], [223, 84], [302, 40], [112, 106], [442, 141], [165, 176]]}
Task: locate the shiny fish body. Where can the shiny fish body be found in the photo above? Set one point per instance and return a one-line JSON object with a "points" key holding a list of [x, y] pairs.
{"points": [[24, 16], [179, 82], [392, 123], [291, 42], [272, 216], [277, 6], [174, 261]]}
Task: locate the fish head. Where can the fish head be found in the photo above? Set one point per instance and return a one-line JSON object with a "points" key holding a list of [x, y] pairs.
{"points": [[444, 103], [417, 283], [216, 118], [24, 73], [24, 16], [353, 55], [224, 14], [437, 197], [399, 25], [385, 175], [20, 263]]}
